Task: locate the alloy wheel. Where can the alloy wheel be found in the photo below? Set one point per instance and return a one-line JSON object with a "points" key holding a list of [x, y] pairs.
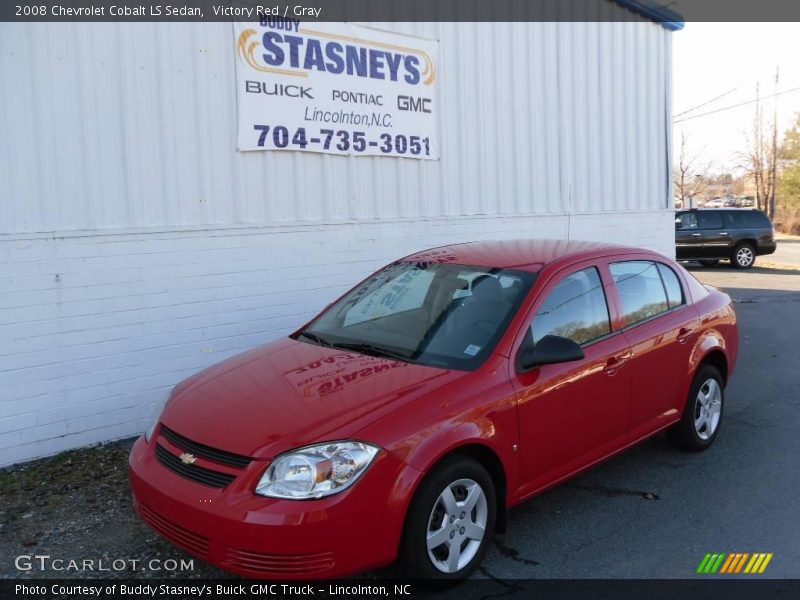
{"points": [[744, 256], [707, 409], [457, 525]]}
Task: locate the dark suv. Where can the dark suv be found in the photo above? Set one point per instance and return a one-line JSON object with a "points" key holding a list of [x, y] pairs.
{"points": [[710, 234]]}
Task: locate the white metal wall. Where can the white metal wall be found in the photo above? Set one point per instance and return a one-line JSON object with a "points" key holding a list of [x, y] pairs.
{"points": [[535, 118], [137, 247]]}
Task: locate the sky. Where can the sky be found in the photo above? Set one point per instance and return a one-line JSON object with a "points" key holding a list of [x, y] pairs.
{"points": [[728, 59]]}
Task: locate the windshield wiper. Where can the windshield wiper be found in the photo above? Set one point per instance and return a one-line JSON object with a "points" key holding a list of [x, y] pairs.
{"points": [[363, 347], [314, 338], [366, 348]]}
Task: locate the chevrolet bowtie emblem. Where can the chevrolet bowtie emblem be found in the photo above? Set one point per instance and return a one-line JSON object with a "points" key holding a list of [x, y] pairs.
{"points": [[187, 458]]}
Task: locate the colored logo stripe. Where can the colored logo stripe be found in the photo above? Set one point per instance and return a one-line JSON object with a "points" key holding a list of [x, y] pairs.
{"points": [[710, 563], [758, 563], [734, 562]]}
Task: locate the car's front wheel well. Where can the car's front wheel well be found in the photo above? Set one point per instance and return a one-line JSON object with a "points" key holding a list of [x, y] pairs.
{"points": [[718, 360], [491, 462]]}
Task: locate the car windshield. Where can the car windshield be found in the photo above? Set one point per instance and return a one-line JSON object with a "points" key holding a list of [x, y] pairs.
{"points": [[434, 314]]}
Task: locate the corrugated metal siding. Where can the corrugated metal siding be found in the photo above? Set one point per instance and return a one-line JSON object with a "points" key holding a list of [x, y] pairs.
{"points": [[118, 126]]}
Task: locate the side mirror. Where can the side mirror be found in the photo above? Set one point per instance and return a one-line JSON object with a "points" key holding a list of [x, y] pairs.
{"points": [[549, 350], [678, 224]]}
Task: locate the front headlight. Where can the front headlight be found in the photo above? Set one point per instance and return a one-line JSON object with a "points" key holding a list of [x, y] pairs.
{"points": [[316, 471], [155, 414]]}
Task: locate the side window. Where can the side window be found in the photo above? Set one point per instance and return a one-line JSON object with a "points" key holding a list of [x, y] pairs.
{"points": [[576, 309], [686, 221], [709, 220], [746, 219], [755, 219], [672, 284], [733, 220], [640, 290]]}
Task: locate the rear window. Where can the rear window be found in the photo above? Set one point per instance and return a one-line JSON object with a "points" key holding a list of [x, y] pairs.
{"points": [[746, 219], [672, 285], [640, 290]]}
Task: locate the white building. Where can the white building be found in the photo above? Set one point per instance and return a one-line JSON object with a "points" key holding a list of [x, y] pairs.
{"points": [[138, 246]]}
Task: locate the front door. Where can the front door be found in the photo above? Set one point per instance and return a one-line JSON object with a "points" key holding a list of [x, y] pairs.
{"points": [[688, 240], [572, 414]]}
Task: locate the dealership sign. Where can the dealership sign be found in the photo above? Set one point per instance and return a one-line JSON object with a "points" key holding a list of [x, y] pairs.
{"points": [[337, 88]]}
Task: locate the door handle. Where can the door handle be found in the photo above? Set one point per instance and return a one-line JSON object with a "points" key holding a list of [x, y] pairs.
{"points": [[684, 333], [614, 363], [723, 233], [696, 234]]}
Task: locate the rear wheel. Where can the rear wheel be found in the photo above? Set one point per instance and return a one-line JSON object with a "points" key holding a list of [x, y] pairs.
{"points": [[743, 256], [699, 426], [450, 523], [709, 263]]}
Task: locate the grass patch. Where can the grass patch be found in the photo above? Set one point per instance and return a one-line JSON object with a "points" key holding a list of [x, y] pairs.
{"points": [[48, 478]]}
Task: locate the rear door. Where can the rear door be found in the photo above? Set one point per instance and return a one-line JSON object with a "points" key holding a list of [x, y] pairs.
{"points": [[716, 239], [660, 327], [571, 414], [751, 226]]}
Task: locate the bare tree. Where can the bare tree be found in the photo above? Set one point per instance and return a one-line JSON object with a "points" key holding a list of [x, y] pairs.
{"points": [[774, 149], [690, 175], [760, 159]]}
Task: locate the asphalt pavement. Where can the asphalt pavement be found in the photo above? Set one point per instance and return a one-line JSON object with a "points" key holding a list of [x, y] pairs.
{"points": [[788, 251], [655, 511]]}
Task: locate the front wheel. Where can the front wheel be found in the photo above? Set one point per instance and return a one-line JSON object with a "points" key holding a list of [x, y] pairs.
{"points": [[743, 256], [450, 523], [699, 426]]}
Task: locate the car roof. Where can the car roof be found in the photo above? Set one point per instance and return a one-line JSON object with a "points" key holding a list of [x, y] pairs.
{"points": [[508, 254], [700, 209]]}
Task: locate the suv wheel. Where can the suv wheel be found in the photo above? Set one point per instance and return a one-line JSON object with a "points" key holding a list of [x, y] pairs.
{"points": [[743, 256]]}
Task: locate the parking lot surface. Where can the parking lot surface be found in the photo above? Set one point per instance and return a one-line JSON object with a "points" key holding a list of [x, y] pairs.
{"points": [[653, 512], [788, 251]]}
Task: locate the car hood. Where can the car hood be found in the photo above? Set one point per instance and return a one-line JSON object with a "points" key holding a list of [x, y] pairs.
{"points": [[291, 393]]}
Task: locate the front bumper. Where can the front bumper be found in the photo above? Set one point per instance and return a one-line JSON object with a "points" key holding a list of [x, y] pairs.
{"points": [[233, 528]]}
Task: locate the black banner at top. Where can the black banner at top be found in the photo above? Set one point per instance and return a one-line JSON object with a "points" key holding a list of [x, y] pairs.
{"points": [[670, 14]]}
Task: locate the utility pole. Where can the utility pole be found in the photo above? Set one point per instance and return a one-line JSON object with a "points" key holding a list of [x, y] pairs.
{"points": [[758, 151], [774, 149]]}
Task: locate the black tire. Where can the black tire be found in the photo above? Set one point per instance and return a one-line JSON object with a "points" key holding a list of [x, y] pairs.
{"points": [[684, 434], [413, 558], [743, 257], [709, 263]]}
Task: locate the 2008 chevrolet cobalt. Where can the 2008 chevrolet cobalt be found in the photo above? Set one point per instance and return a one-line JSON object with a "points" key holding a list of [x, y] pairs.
{"points": [[405, 419]]}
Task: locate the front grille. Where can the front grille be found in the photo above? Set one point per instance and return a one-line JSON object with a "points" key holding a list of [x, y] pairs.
{"points": [[188, 540], [220, 456], [195, 473], [307, 564]]}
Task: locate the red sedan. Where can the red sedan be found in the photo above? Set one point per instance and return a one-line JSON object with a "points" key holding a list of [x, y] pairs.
{"points": [[405, 419]]}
